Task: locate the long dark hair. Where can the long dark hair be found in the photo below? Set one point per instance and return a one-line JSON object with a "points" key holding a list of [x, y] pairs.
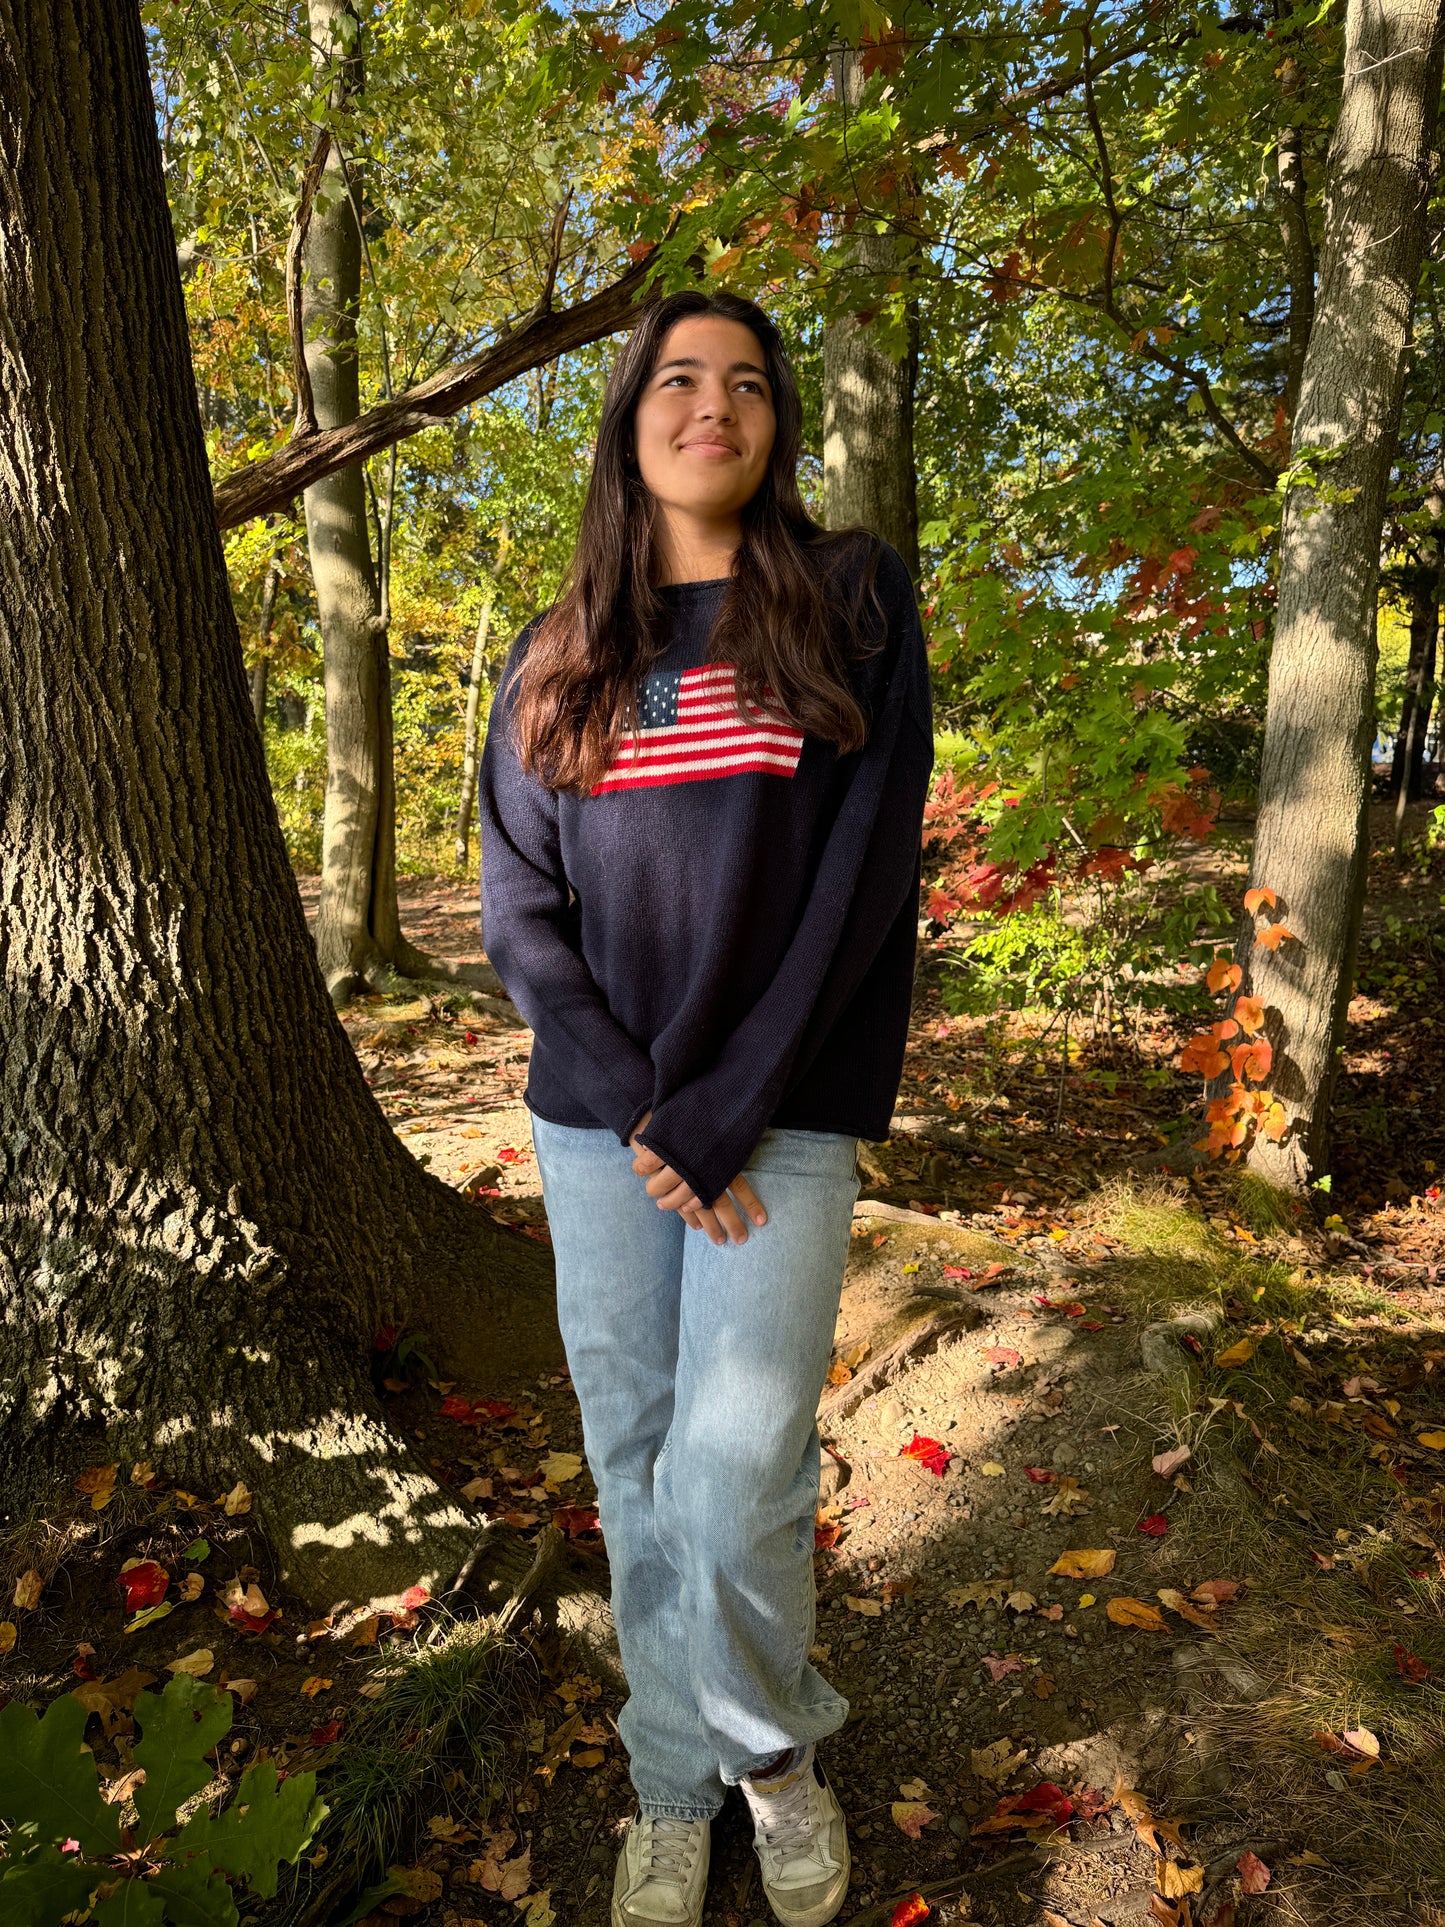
{"points": [[786, 622]]}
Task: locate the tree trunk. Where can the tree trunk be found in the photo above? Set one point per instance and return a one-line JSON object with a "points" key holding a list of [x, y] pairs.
{"points": [[261, 672], [869, 475], [358, 925], [1310, 842], [470, 743], [204, 1217], [1419, 695]]}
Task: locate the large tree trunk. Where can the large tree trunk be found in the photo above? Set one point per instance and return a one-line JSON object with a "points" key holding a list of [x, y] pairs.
{"points": [[1310, 843], [204, 1217], [869, 475], [358, 930]]}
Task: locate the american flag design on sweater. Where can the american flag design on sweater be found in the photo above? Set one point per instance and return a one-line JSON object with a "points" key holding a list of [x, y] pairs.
{"points": [[690, 731]]}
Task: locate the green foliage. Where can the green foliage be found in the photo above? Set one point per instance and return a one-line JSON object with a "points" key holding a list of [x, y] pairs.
{"points": [[50, 1793]]}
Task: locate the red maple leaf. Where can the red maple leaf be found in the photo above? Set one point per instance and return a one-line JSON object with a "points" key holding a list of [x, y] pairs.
{"points": [[574, 1520], [931, 1454], [145, 1585], [324, 1735], [1156, 1525]]}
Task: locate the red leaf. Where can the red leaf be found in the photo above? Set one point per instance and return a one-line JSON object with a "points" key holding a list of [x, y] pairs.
{"points": [[956, 1271], [910, 1911], [81, 1666], [1156, 1525], [574, 1520], [1253, 1874], [145, 1585], [931, 1454], [1003, 1355], [415, 1596], [324, 1735], [253, 1622], [1039, 1474], [1000, 1666], [457, 1407], [1047, 1798], [1410, 1666]]}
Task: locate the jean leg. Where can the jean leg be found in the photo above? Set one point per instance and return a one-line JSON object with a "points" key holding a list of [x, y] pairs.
{"points": [[619, 1281], [737, 1487]]}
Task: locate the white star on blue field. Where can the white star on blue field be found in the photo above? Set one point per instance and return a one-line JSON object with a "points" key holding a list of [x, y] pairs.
{"points": [[658, 705]]}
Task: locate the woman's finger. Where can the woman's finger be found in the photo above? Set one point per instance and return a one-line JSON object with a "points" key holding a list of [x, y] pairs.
{"points": [[680, 1199], [708, 1222], [731, 1220], [748, 1200], [662, 1181], [646, 1162]]}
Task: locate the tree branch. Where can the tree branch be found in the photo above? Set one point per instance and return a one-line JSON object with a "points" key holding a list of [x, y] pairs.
{"points": [[273, 483], [305, 426]]}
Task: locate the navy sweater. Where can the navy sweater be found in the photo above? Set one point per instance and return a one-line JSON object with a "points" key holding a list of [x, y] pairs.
{"points": [[723, 932]]}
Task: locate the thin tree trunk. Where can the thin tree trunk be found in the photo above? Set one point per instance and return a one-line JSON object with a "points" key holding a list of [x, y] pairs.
{"points": [[204, 1217], [1310, 841], [869, 476], [470, 737], [1299, 254], [1419, 694], [261, 672], [357, 920]]}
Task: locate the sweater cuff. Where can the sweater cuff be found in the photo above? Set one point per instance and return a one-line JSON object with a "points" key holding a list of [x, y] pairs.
{"points": [[707, 1176]]}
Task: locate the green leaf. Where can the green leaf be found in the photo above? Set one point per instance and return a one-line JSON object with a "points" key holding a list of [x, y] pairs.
{"points": [[46, 1884], [47, 1776], [196, 1895], [135, 1903], [263, 1826], [179, 1727], [197, 1550]]}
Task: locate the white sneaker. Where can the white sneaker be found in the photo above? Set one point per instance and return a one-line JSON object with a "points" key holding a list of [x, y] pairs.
{"points": [[802, 1843], [661, 1873]]}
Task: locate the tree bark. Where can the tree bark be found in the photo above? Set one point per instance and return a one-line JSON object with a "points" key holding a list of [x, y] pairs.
{"points": [[1310, 841], [869, 475], [358, 925], [1409, 758], [204, 1217], [471, 733]]}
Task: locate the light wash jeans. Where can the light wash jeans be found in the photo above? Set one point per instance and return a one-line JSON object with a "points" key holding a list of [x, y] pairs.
{"points": [[698, 1369]]}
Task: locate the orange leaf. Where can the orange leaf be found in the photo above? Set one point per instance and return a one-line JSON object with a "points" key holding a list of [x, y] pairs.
{"points": [[1203, 1056], [1136, 1612], [1252, 1060], [1272, 936], [1257, 898], [1249, 1012], [1224, 1029], [1223, 975], [908, 1912], [1275, 1124]]}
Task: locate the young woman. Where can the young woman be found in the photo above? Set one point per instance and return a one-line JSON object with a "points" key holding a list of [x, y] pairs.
{"points": [[702, 790]]}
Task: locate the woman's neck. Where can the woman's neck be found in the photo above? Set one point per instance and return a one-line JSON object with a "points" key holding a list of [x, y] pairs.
{"points": [[691, 550]]}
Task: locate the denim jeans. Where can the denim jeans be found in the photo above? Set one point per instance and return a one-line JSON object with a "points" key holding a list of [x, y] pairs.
{"points": [[698, 1369]]}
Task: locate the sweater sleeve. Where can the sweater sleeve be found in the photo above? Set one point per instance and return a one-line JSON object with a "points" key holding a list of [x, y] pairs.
{"points": [[866, 872], [530, 930]]}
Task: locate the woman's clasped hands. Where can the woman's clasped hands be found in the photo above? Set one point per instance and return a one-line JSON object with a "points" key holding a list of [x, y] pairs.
{"points": [[724, 1220]]}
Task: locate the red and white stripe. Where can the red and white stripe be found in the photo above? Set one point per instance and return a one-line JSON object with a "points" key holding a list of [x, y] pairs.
{"points": [[709, 738]]}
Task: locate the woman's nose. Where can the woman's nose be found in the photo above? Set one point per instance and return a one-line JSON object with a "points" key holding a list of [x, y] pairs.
{"points": [[715, 402]]}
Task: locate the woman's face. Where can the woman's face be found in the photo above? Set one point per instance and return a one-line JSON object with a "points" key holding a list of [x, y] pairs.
{"points": [[704, 425]]}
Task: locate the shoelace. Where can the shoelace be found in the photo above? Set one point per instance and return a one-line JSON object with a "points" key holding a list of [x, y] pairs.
{"points": [[671, 1850], [787, 1823]]}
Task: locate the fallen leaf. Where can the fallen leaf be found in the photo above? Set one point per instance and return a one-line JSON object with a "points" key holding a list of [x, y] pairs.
{"points": [[910, 1911], [996, 1761], [559, 1467], [28, 1588], [324, 1735], [912, 1816], [1070, 1498], [1166, 1464], [1363, 1741], [143, 1474], [313, 1685], [1084, 1564], [1044, 1687], [1174, 1881], [1003, 1355], [243, 1689], [1435, 1440], [991, 1469], [418, 1883], [238, 1499], [999, 1666], [1253, 1874], [148, 1615], [196, 1664], [977, 1592], [588, 1756], [575, 1520], [931, 1454], [1238, 1354], [191, 1587], [1410, 1666], [1154, 1527], [414, 1598], [99, 1482], [869, 1608], [145, 1583], [477, 1489], [1219, 1590], [1039, 1475], [1055, 1613], [364, 1632], [1136, 1612], [8, 1635], [915, 1789]]}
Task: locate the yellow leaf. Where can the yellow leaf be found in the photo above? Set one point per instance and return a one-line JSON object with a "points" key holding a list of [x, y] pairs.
{"points": [[197, 1664], [1174, 1881], [1136, 1612], [28, 1588], [991, 1469], [1238, 1354], [558, 1467], [238, 1499], [8, 1635], [313, 1685], [870, 1608], [914, 1789], [909, 1268], [1084, 1565], [1435, 1440], [589, 1756], [1088, 1599]]}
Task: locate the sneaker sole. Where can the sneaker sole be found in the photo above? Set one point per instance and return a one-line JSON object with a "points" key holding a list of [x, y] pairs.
{"points": [[816, 1916]]}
